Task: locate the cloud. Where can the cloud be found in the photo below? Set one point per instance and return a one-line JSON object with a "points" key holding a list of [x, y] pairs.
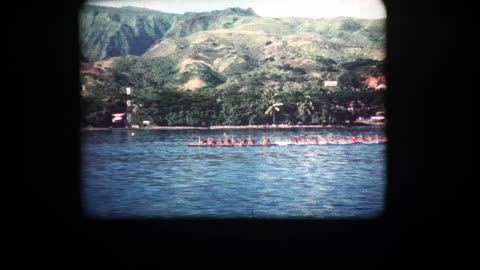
{"points": [[321, 8], [269, 8]]}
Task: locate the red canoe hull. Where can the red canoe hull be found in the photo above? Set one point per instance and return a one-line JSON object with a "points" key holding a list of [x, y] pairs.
{"points": [[229, 145]]}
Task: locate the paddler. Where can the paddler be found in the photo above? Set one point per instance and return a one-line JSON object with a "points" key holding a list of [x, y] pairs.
{"points": [[334, 140], [202, 141], [252, 141], [354, 139], [293, 140], [303, 139], [323, 139], [266, 140], [343, 140], [243, 141], [212, 141], [314, 140]]}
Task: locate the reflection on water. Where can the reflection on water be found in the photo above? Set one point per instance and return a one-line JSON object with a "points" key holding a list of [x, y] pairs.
{"points": [[154, 174]]}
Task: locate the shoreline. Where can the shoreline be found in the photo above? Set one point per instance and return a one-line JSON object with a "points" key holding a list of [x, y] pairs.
{"points": [[226, 127]]}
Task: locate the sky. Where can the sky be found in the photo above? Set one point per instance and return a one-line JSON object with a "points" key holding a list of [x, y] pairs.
{"points": [[267, 8]]}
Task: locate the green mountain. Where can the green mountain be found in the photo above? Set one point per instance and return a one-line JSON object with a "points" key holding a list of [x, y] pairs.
{"points": [[235, 62], [107, 32], [315, 47]]}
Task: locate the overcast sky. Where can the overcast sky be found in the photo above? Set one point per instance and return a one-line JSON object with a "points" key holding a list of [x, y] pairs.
{"points": [[268, 8]]}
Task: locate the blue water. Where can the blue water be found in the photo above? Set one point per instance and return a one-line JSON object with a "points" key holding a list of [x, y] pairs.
{"points": [[154, 174]]}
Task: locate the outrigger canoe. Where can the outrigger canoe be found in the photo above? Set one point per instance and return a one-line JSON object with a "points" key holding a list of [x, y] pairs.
{"points": [[274, 144], [339, 143], [231, 145]]}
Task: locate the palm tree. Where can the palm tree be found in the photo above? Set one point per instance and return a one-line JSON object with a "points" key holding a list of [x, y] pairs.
{"points": [[305, 108], [272, 108], [269, 96], [135, 112], [136, 108]]}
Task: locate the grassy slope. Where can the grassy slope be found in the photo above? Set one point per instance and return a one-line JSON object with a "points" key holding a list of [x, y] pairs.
{"points": [[212, 46], [251, 42], [106, 32]]}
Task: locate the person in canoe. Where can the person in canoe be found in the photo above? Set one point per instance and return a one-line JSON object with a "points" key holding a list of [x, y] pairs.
{"points": [[334, 140], [252, 141], [303, 139], [202, 141], [314, 140], [212, 141], [266, 140], [354, 139], [293, 140], [229, 142], [243, 141], [323, 140], [343, 140]]}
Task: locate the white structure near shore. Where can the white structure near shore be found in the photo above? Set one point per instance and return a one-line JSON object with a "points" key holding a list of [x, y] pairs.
{"points": [[330, 83]]}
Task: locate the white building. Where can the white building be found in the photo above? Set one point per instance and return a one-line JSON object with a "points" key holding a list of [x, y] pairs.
{"points": [[330, 83]]}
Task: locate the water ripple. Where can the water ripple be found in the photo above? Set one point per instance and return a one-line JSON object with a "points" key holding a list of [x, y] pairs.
{"points": [[156, 174]]}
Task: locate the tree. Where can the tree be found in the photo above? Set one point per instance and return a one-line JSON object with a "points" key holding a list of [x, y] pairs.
{"points": [[272, 108], [269, 97], [135, 111], [305, 108], [348, 79]]}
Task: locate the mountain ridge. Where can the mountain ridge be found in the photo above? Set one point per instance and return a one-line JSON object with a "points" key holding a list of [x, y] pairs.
{"points": [[109, 32], [214, 68]]}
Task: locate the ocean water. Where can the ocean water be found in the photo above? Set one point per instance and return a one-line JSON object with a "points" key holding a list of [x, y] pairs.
{"points": [[155, 174]]}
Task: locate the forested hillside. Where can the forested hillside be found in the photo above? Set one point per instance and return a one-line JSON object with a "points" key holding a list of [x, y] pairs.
{"points": [[229, 67], [107, 32]]}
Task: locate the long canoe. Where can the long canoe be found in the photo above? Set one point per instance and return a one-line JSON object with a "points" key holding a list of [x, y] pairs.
{"points": [[335, 143], [231, 145]]}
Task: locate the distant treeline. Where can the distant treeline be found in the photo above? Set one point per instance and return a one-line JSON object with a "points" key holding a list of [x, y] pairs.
{"points": [[268, 95]]}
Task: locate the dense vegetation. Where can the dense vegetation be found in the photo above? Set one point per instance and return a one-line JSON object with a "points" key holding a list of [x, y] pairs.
{"points": [[234, 68], [106, 32], [254, 98]]}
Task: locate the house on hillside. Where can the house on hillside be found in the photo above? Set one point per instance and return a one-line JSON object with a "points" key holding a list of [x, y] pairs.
{"points": [[330, 83]]}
